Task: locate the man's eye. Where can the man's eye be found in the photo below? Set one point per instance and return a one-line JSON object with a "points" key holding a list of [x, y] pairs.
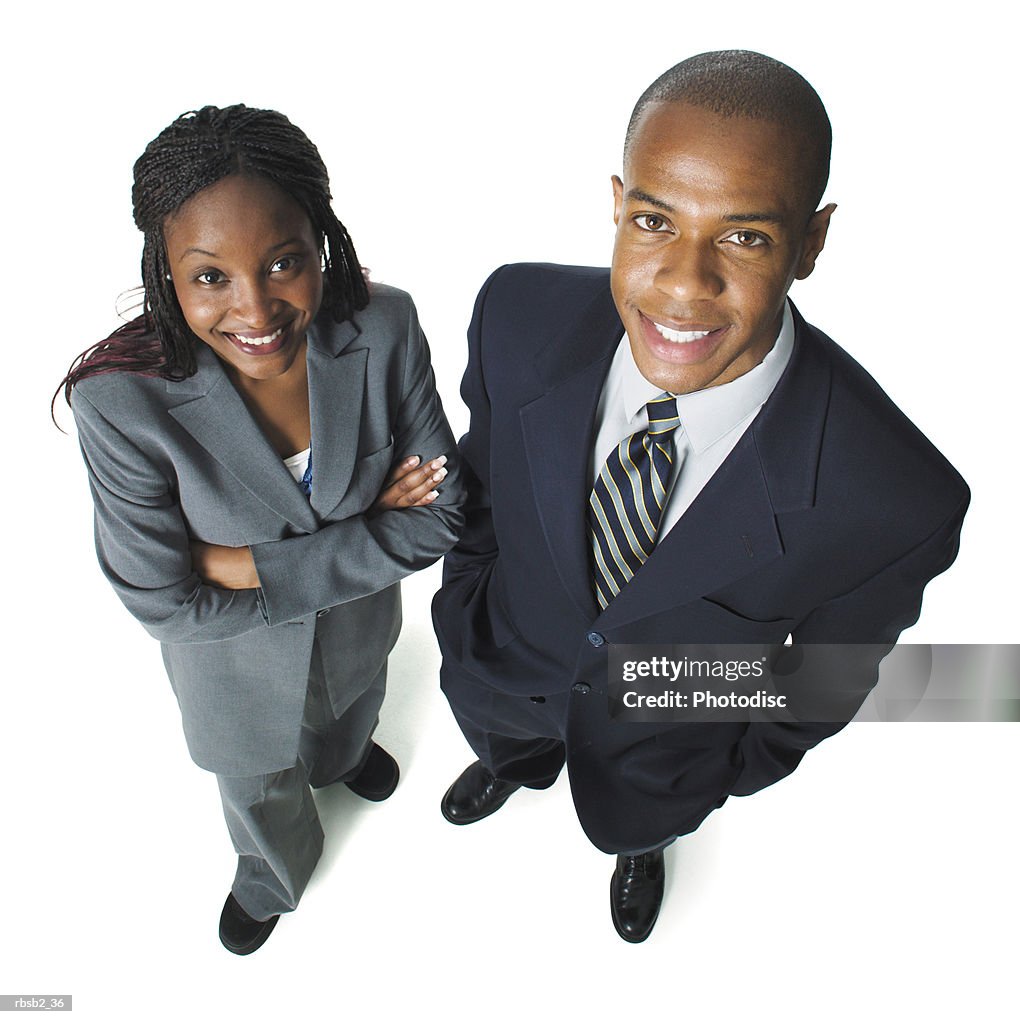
{"points": [[650, 222], [745, 239]]}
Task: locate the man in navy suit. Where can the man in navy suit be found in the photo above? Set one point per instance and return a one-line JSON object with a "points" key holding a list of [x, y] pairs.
{"points": [[667, 453]]}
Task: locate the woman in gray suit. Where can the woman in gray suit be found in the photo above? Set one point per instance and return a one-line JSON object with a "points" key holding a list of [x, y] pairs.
{"points": [[264, 446]]}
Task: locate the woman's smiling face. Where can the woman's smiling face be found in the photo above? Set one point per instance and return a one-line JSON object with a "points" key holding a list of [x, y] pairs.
{"points": [[245, 265]]}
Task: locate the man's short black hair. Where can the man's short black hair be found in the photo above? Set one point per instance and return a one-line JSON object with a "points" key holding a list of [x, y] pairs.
{"points": [[742, 83]]}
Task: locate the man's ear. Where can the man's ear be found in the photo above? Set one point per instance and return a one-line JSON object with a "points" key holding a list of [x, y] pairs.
{"points": [[617, 199], [814, 240]]}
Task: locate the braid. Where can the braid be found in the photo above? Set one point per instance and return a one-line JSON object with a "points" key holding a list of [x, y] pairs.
{"points": [[198, 149]]}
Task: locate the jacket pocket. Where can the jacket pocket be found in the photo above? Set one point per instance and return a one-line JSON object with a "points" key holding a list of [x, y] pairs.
{"points": [[720, 624]]}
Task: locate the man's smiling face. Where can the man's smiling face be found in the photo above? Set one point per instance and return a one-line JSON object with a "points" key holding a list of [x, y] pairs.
{"points": [[712, 228]]}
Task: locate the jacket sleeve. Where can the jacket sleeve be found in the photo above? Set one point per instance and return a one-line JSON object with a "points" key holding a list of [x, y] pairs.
{"points": [[364, 554], [865, 623], [142, 542], [477, 548]]}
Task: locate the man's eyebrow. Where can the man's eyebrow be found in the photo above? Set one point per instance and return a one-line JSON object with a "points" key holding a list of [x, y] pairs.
{"points": [[753, 217], [645, 197], [761, 217]]}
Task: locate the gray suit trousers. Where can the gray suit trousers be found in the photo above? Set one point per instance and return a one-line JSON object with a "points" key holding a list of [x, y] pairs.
{"points": [[272, 818]]}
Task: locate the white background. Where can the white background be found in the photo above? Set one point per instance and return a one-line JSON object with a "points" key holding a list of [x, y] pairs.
{"points": [[879, 880]]}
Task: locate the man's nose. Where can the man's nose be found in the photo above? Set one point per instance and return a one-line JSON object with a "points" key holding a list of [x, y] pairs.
{"points": [[690, 270]]}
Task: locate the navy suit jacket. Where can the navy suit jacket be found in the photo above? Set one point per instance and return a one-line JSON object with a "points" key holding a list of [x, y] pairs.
{"points": [[825, 522]]}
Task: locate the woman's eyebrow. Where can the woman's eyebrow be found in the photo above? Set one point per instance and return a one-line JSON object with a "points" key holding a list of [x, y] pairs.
{"points": [[195, 250]]}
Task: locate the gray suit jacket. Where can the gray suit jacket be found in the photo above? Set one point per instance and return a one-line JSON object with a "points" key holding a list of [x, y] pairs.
{"points": [[169, 462]]}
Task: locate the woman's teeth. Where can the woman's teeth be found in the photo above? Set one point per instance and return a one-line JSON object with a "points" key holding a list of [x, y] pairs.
{"points": [[268, 339]]}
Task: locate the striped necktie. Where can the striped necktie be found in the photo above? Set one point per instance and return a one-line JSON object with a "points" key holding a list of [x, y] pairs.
{"points": [[625, 507]]}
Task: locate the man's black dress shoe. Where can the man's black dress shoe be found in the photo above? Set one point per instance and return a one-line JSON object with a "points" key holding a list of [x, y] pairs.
{"points": [[240, 932], [635, 894], [378, 776], [475, 795]]}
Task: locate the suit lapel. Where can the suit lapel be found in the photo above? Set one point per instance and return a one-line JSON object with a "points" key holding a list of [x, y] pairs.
{"points": [[789, 429], [558, 433], [728, 532], [731, 528], [215, 415], [209, 408], [336, 393]]}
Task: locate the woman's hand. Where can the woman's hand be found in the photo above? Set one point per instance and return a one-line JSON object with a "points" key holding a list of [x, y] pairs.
{"points": [[410, 484], [227, 568]]}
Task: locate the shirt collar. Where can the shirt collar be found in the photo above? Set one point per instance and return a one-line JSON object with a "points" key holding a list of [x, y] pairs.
{"points": [[708, 415]]}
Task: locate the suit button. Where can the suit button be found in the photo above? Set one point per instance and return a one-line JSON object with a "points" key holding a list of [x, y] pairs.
{"points": [[322, 611], [537, 700], [596, 639], [581, 688]]}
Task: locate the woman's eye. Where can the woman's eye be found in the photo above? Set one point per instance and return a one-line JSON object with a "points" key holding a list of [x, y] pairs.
{"points": [[650, 222], [745, 239], [209, 277], [282, 264]]}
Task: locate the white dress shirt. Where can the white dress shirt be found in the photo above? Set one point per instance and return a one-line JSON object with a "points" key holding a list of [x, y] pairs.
{"points": [[712, 421]]}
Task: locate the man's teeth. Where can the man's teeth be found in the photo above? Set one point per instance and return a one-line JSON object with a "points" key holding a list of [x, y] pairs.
{"points": [[261, 341], [680, 336]]}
